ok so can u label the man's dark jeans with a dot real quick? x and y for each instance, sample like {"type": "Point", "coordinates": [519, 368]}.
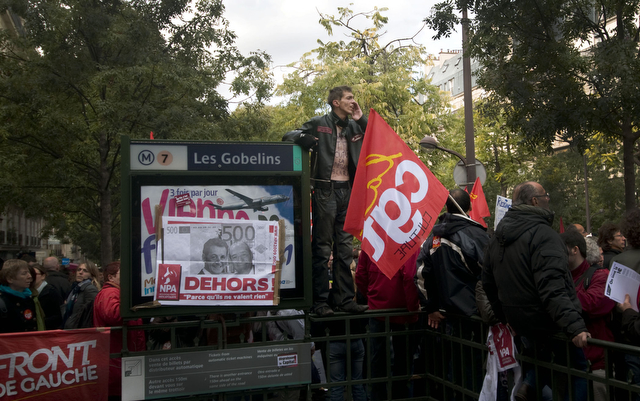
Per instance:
{"type": "Point", "coordinates": [555, 350]}
{"type": "Point", "coordinates": [401, 349]}
{"type": "Point", "coordinates": [329, 213]}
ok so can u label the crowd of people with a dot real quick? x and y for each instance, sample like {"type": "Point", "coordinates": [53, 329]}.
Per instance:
{"type": "Point", "coordinates": [534, 281]}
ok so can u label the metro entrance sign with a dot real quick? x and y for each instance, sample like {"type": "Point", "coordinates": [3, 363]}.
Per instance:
{"type": "Point", "coordinates": [212, 181]}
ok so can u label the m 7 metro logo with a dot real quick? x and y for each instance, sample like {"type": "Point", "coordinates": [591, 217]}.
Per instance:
{"type": "Point", "coordinates": [146, 157]}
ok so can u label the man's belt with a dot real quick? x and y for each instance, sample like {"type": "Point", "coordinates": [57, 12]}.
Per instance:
{"type": "Point", "coordinates": [331, 184]}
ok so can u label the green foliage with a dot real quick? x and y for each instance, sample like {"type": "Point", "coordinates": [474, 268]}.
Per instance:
{"type": "Point", "coordinates": [442, 19]}
{"type": "Point", "coordinates": [563, 69]}
{"type": "Point", "coordinates": [566, 69]}
{"type": "Point", "coordinates": [83, 73]}
{"type": "Point", "coordinates": [383, 77]}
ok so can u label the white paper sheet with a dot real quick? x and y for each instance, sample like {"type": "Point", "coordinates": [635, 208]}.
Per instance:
{"type": "Point", "coordinates": [621, 281]}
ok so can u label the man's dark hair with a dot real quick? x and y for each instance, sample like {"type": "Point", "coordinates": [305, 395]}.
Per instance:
{"type": "Point", "coordinates": [523, 193]}
{"type": "Point", "coordinates": [607, 232]}
{"type": "Point", "coordinates": [337, 93]}
{"type": "Point", "coordinates": [462, 198]}
{"type": "Point", "coordinates": [630, 227]}
{"type": "Point", "coordinates": [573, 238]}
{"type": "Point", "coordinates": [217, 242]}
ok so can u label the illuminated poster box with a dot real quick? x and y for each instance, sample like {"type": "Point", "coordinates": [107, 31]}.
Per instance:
{"type": "Point", "coordinates": [226, 181]}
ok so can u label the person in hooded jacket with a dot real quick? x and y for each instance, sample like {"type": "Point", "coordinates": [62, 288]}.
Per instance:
{"type": "Point", "coordinates": [527, 282]}
{"type": "Point", "coordinates": [450, 261]}
{"type": "Point", "coordinates": [449, 267]}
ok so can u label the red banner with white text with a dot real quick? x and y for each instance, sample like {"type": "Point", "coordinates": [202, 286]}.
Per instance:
{"type": "Point", "coordinates": [60, 364]}
{"type": "Point", "coordinates": [395, 199]}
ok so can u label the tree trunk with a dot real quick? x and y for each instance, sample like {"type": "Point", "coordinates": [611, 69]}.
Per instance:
{"type": "Point", "coordinates": [106, 245]}
{"type": "Point", "coordinates": [628, 140]}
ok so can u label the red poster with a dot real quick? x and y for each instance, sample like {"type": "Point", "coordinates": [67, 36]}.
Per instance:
{"type": "Point", "coordinates": [60, 364]}
{"type": "Point", "coordinates": [169, 276]}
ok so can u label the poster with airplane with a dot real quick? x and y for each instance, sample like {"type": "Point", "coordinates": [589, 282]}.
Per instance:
{"type": "Point", "coordinates": [230, 202]}
{"type": "Point", "coordinates": [260, 203]}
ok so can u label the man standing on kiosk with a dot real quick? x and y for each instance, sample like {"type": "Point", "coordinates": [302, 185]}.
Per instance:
{"type": "Point", "coordinates": [335, 141]}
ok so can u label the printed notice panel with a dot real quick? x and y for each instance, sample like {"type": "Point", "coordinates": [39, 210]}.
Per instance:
{"type": "Point", "coordinates": [217, 262]}
{"type": "Point", "coordinates": [232, 203]}
{"type": "Point", "coordinates": [202, 372]}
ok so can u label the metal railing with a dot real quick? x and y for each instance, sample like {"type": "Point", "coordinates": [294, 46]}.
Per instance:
{"type": "Point", "coordinates": [445, 364]}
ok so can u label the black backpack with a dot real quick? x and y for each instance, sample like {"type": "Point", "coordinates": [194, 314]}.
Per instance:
{"type": "Point", "coordinates": [585, 279]}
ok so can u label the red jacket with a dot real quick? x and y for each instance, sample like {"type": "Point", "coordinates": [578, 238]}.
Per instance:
{"type": "Point", "coordinates": [106, 312]}
{"type": "Point", "coordinates": [597, 309]}
{"type": "Point", "coordinates": [385, 293]}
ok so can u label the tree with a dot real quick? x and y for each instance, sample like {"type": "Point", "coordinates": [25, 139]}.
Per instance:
{"type": "Point", "coordinates": [384, 76]}
{"type": "Point", "coordinates": [563, 69]}
{"type": "Point", "coordinates": [84, 72]}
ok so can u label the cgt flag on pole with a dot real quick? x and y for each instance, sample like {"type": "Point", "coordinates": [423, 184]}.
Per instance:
{"type": "Point", "coordinates": [479, 207]}
{"type": "Point", "coordinates": [395, 199]}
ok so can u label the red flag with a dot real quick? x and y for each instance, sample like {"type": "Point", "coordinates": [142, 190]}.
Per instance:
{"type": "Point", "coordinates": [395, 199]}
{"type": "Point", "coordinates": [561, 225]}
{"type": "Point", "coordinates": [479, 207]}
{"type": "Point", "coordinates": [151, 135]}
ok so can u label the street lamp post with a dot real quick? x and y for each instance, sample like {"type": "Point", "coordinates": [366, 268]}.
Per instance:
{"type": "Point", "coordinates": [430, 143]}
{"type": "Point", "coordinates": [468, 103]}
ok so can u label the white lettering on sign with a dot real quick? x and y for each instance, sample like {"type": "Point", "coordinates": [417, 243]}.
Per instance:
{"type": "Point", "coordinates": [392, 226]}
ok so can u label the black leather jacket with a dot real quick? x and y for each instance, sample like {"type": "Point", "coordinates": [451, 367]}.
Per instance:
{"type": "Point", "coordinates": [322, 154]}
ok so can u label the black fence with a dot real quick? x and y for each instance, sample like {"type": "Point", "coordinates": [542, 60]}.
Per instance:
{"type": "Point", "coordinates": [413, 362]}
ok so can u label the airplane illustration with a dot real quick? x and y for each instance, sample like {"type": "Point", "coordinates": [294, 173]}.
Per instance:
{"type": "Point", "coordinates": [252, 203]}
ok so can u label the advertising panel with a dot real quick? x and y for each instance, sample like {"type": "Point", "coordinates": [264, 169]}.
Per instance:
{"type": "Point", "coordinates": [217, 262]}
{"type": "Point", "coordinates": [235, 204]}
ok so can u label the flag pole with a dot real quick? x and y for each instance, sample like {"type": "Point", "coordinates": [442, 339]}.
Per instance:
{"type": "Point", "coordinates": [458, 206]}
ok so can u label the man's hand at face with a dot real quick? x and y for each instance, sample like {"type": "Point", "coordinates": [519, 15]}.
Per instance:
{"type": "Point", "coordinates": [356, 114]}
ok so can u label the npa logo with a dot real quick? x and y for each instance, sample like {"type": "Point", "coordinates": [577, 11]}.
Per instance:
{"type": "Point", "coordinates": [168, 285]}
{"type": "Point", "coordinates": [146, 157]}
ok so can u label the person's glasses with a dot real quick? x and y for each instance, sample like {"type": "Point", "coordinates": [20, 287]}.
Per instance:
{"type": "Point", "coordinates": [542, 196]}
{"type": "Point", "coordinates": [619, 236]}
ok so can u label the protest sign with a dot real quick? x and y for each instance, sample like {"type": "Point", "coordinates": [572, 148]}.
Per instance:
{"type": "Point", "coordinates": [502, 205]}
{"type": "Point", "coordinates": [228, 202]}
{"type": "Point", "coordinates": [621, 281]}
{"type": "Point", "coordinates": [64, 365]}
{"type": "Point", "coordinates": [218, 262]}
